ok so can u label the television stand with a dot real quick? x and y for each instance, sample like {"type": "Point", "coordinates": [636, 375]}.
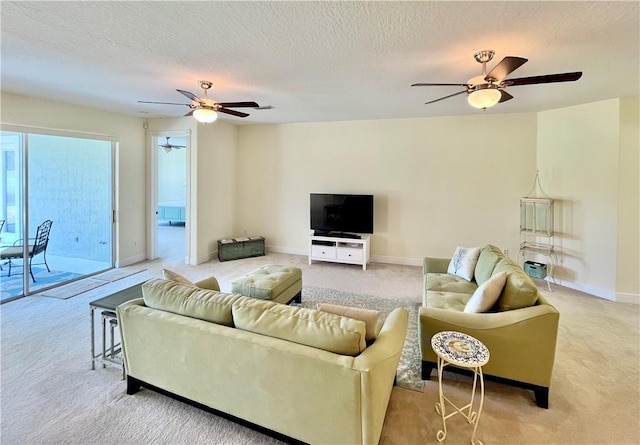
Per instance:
{"type": "Point", "coordinates": [340, 249]}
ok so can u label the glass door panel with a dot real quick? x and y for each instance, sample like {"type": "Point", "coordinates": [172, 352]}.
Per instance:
{"type": "Point", "coordinates": [69, 182]}
{"type": "Point", "coordinates": [11, 205]}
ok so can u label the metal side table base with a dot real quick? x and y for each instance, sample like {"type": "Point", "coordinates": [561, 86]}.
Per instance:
{"type": "Point", "coordinates": [111, 353]}
{"type": "Point", "coordinates": [462, 350]}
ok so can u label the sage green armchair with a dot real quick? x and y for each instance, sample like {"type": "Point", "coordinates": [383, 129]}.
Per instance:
{"type": "Point", "coordinates": [522, 342]}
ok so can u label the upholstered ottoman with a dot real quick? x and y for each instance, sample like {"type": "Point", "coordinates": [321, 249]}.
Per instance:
{"type": "Point", "coordinates": [282, 284]}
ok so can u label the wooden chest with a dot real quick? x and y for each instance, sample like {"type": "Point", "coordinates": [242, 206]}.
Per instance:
{"type": "Point", "coordinates": [236, 248]}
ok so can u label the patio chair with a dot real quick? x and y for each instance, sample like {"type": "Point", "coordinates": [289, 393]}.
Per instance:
{"type": "Point", "coordinates": [38, 247]}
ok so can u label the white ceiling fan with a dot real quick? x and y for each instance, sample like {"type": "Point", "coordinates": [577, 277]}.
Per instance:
{"type": "Point", "coordinates": [168, 147]}
{"type": "Point", "coordinates": [206, 110]}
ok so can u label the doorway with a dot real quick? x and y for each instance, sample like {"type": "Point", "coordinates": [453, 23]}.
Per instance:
{"type": "Point", "coordinates": [170, 191]}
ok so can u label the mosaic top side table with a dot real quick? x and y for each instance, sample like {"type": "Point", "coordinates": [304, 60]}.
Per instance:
{"type": "Point", "coordinates": [465, 351]}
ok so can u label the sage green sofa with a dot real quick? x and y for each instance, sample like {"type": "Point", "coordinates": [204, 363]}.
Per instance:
{"type": "Point", "coordinates": [520, 330]}
{"type": "Point", "coordinates": [303, 374]}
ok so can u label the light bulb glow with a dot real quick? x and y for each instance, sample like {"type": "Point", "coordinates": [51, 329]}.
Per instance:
{"type": "Point", "coordinates": [484, 97]}
{"type": "Point", "coordinates": [205, 115]}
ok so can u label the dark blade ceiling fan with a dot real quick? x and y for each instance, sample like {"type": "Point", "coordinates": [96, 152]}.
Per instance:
{"type": "Point", "coordinates": [168, 147]}
{"type": "Point", "coordinates": [206, 110]}
{"type": "Point", "coordinates": [488, 90]}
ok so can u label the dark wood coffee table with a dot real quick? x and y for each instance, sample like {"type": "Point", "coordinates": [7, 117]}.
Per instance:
{"type": "Point", "coordinates": [108, 306]}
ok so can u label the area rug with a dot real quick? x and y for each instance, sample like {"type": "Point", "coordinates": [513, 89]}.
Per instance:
{"type": "Point", "coordinates": [12, 286]}
{"type": "Point", "coordinates": [116, 274]}
{"type": "Point", "coordinates": [409, 368]}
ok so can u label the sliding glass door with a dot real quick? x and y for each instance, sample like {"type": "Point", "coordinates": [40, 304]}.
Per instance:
{"type": "Point", "coordinates": [57, 204]}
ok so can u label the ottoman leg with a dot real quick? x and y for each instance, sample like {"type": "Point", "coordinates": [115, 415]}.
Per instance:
{"type": "Point", "coordinates": [296, 299]}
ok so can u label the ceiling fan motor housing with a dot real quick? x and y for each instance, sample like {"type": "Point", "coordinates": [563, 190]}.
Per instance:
{"type": "Point", "coordinates": [484, 56]}
{"type": "Point", "coordinates": [205, 84]}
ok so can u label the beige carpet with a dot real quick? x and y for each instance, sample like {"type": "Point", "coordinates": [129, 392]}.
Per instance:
{"type": "Point", "coordinates": [49, 395]}
{"type": "Point", "coordinates": [73, 289]}
{"type": "Point", "coordinates": [87, 284]}
{"type": "Point", "coordinates": [117, 274]}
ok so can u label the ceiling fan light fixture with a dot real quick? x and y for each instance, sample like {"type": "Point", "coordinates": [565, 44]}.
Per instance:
{"type": "Point", "coordinates": [484, 97]}
{"type": "Point", "coordinates": [167, 148]}
{"type": "Point", "coordinates": [205, 115]}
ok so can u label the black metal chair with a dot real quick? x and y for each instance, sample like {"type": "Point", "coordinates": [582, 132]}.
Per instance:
{"type": "Point", "coordinates": [38, 247]}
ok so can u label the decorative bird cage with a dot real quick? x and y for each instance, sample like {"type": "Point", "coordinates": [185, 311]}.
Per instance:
{"type": "Point", "coordinates": [536, 212]}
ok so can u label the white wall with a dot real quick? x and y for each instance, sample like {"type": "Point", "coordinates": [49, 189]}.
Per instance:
{"type": "Point", "coordinates": [438, 182]}
{"type": "Point", "coordinates": [628, 260]}
{"type": "Point", "coordinates": [580, 165]}
{"type": "Point", "coordinates": [216, 179]}
{"type": "Point", "coordinates": [130, 195]}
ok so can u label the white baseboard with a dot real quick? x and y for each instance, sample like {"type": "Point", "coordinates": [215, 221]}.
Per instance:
{"type": "Point", "coordinates": [289, 250]}
{"type": "Point", "coordinates": [618, 297]}
{"type": "Point", "coordinates": [397, 260]}
{"type": "Point", "coordinates": [623, 297]}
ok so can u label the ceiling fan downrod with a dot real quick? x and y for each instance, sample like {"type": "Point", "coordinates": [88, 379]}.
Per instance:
{"type": "Point", "coordinates": [483, 57]}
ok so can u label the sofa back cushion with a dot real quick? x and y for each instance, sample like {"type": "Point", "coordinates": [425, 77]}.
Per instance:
{"type": "Point", "coordinates": [190, 301]}
{"type": "Point", "coordinates": [489, 257]}
{"type": "Point", "coordinates": [309, 327]}
{"type": "Point", "coordinates": [519, 290]}
{"type": "Point", "coordinates": [464, 261]}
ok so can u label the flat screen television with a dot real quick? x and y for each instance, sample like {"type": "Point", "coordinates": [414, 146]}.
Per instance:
{"type": "Point", "coordinates": [340, 214]}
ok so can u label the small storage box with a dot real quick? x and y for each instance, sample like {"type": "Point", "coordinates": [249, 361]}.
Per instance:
{"type": "Point", "coordinates": [236, 248]}
{"type": "Point", "coordinates": [535, 270]}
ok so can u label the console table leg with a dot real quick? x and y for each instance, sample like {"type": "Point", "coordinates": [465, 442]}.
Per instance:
{"type": "Point", "coordinates": [93, 345]}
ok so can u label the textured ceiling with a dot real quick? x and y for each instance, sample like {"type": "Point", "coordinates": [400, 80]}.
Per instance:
{"type": "Point", "coordinates": [314, 61]}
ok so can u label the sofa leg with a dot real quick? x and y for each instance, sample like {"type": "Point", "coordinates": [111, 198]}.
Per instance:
{"type": "Point", "coordinates": [542, 396]}
{"type": "Point", "coordinates": [133, 385]}
{"type": "Point", "coordinates": [427, 367]}
{"type": "Point", "coordinates": [298, 298]}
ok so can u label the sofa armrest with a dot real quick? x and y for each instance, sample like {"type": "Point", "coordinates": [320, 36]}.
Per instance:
{"type": "Point", "coordinates": [522, 342]}
{"type": "Point", "coordinates": [388, 344]}
{"type": "Point", "coordinates": [435, 265]}
{"type": "Point", "coordinates": [378, 365]}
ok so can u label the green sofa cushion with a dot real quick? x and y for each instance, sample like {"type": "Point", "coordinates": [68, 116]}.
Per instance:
{"type": "Point", "coordinates": [519, 290]}
{"type": "Point", "coordinates": [190, 301]}
{"type": "Point", "coordinates": [309, 327]}
{"type": "Point", "coordinates": [489, 257]}
{"type": "Point", "coordinates": [444, 282]}
{"type": "Point", "coordinates": [447, 300]}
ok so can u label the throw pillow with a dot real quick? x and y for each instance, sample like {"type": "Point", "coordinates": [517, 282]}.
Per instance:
{"type": "Point", "coordinates": [173, 276]}
{"type": "Point", "coordinates": [486, 294]}
{"type": "Point", "coordinates": [464, 262]}
{"type": "Point", "coordinates": [369, 316]}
